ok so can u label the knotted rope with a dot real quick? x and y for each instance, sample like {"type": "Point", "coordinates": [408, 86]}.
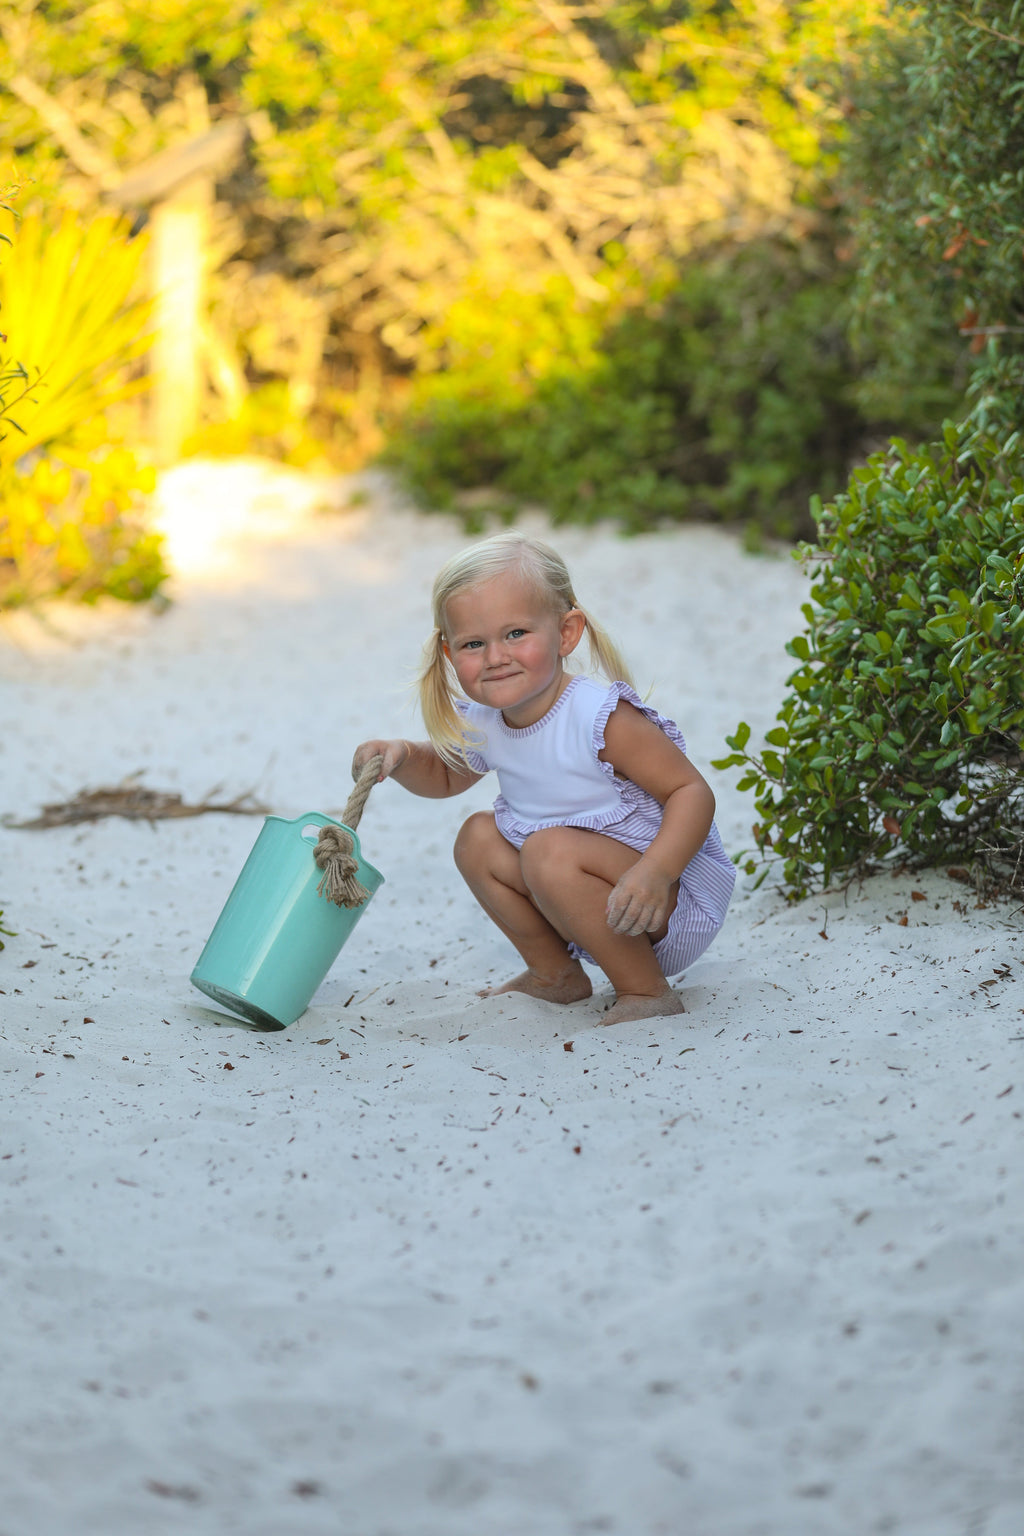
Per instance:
{"type": "Point", "coordinates": [334, 850]}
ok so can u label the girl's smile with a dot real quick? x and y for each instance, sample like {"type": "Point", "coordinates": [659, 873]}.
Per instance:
{"type": "Point", "coordinates": [507, 646]}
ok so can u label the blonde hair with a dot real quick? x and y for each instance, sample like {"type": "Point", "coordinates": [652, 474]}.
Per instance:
{"type": "Point", "coordinates": [545, 569]}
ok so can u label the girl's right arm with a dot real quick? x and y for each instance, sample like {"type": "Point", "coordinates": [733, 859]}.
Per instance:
{"type": "Point", "coordinates": [415, 765]}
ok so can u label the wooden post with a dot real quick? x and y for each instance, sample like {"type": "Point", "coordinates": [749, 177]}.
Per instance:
{"type": "Point", "coordinates": [179, 227]}
{"type": "Point", "coordinates": [177, 186]}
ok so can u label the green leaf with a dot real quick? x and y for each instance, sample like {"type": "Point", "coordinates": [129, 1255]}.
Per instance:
{"type": "Point", "coordinates": [987, 615]}
{"type": "Point", "coordinates": [739, 740]}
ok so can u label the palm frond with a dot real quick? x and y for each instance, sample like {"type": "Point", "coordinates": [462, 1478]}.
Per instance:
{"type": "Point", "coordinates": [74, 321]}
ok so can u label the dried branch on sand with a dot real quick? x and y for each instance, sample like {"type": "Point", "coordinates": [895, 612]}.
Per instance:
{"type": "Point", "coordinates": [135, 803]}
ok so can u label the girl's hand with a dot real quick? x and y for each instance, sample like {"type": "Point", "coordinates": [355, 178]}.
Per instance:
{"type": "Point", "coordinates": [394, 753]}
{"type": "Point", "coordinates": [416, 765]}
{"type": "Point", "coordinates": [640, 902]}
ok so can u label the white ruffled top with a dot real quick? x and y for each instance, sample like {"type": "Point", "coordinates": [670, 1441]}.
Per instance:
{"type": "Point", "coordinates": [549, 773]}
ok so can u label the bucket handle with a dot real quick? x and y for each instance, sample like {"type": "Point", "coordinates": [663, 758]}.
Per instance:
{"type": "Point", "coordinates": [356, 802]}
{"type": "Point", "coordinates": [335, 849]}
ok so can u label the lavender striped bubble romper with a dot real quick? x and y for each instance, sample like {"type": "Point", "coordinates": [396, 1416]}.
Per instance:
{"type": "Point", "coordinates": [550, 775]}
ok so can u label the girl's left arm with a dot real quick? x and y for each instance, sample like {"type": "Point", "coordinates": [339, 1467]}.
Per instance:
{"type": "Point", "coordinates": [637, 749]}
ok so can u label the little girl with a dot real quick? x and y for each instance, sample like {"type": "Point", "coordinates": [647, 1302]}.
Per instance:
{"type": "Point", "coordinates": [601, 845]}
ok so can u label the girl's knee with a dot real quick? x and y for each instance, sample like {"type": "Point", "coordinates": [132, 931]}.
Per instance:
{"type": "Point", "coordinates": [475, 837]}
{"type": "Point", "coordinates": [547, 855]}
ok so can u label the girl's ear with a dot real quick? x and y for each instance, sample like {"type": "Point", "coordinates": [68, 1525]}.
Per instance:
{"type": "Point", "coordinates": [573, 626]}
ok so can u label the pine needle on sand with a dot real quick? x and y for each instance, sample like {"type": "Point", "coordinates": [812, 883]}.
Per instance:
{"type": "Point", "coordinates": [136, 803]}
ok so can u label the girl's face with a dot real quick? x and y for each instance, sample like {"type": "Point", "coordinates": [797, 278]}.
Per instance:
{"type": "Point", "coordinates": [507, 644]}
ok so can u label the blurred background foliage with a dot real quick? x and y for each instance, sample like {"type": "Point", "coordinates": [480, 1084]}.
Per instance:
{"type": "Point", "coordinates": [631, 258]}
{"type": "Point", "coordinates": [934, 181]}
{"type": "Point", "coordinates": [72, 513]}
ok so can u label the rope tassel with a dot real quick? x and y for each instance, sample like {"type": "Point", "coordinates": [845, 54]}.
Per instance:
{"type": "Point", "coordinates": [334, 852]}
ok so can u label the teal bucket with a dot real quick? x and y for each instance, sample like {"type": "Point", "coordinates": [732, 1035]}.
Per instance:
{"type": "Point", "coordinates": [277, 938]}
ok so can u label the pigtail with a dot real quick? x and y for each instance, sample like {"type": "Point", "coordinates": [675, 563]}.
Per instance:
{"type": "Point", "coordinates": [605, 655]}
{"type": "Point", "coordinates": [446, 727]}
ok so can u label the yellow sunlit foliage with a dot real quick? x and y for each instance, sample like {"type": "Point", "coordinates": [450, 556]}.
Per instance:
{"type": "Point", "coordinates": [538, 163]}
{"type": "Point", "coordinates": [70, 502]}
{"type": "Point", "coordinates": [67, 293]}
{"type": "Point", "coordinates": [771, 67]}
{"type": "Point", "coordinates": [78, 528]}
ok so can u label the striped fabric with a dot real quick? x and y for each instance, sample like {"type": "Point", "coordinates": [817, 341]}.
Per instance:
{"type": "Point", "coordinates": [554, 765]}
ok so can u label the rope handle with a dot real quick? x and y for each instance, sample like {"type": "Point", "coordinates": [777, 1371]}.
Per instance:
{"type": "Point", "coordinates": [356, 802]}
{"type": "Point", "coordinates": [335, 851]}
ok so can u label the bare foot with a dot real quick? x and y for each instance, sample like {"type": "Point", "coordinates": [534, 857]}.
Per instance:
{"type": "Point", "coordinates": [570, 986]}
{"type": "Point", "coordinates": [634, 1005]}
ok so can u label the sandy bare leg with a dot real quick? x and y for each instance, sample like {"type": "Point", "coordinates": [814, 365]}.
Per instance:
{"type": "Point", "coordinates": [491, 868]}
{"type": "Point", "coordinates": [553, 890]}
{"type": "Point", "coordinates": [569, 874]}
{"type": "Point", "coordinates": [570, 986]}
{"type": "Point", "coordinates": [632, 1005]}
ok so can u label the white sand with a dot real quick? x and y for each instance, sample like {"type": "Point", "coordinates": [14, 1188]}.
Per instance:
{"type": "Point", "coordinates": [403, 1270]}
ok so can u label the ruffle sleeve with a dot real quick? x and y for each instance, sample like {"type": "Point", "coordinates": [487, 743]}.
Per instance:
{"type": "Point", "coordinates": [619, 693]}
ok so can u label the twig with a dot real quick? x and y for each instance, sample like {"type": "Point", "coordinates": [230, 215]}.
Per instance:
{"type": "Point", "coordinates": [134, 803]}
{"type": "Point", "coordinates": [84, 155]}
{"type": "Point", "coordinates": [983, 26]}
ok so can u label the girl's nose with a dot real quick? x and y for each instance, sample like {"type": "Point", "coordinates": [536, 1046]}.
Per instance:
{"type": "Point", "coordinates": [494, 652]}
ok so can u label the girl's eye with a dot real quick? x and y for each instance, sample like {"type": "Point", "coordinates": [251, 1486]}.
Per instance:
{"type": "Point", "coordinates": [514, 634]}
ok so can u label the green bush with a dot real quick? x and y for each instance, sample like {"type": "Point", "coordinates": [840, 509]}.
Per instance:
{"type": "Point", "coordinates": [933, 174]}
{"type": "Point", "coordinates": [74, 524]}
{"type": "Point", "coordinates": [901, 733]}
{"type": "Point", "coordinates": [729, 398]}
